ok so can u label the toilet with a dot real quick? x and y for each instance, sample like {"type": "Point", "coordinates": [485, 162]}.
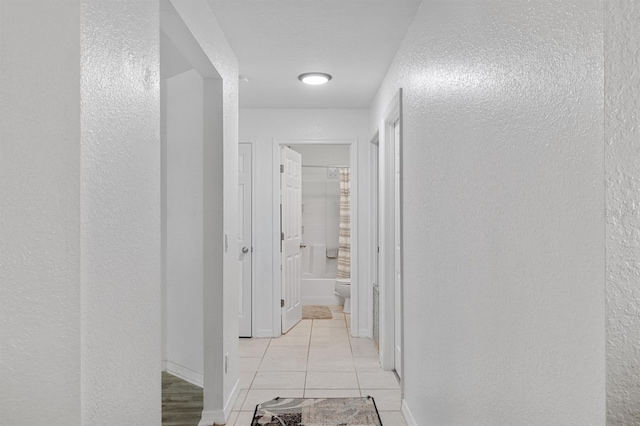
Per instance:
{"type": "Point", "coordinates": [343, 289]}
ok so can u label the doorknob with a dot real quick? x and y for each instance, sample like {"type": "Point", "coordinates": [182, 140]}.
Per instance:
{"type": "Point", "coordinates": [302, 245]}
{"type": "Point", "coordinates": [245, 250]}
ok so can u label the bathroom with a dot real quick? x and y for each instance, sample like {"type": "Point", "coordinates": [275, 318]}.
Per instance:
{"type": "Point", "coordinates": [325, 225]}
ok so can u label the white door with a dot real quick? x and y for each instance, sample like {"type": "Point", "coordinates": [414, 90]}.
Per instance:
{"type": "Point", "coordinates": [244, 238]}
{"type": "Point", "coordinates": [291, 237]}
{"type": "Point", "coordinates": [397, 258]}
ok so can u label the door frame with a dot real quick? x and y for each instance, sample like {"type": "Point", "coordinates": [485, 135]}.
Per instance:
{"type": "Point", "coordinates": [374, 239]}
{"type": "Point", "coordinates": [386, 233]}
{"type": "Point", "coordinates": [252, 142]}
{"type": "Point", "coordinates": [353, 164]}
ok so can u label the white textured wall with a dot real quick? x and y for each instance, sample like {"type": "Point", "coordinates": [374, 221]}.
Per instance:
{"type": "Point", "coordinates": [264, 125]}
{"type": "Point", "coordinates": [39, 212]}
{"type": "Point", "coordinates": [503, 212]}
{"type": "Point", "coordinates": [184, 197]}
{"type": "Point", "coordinates": [622, 166]}
{"type": "Point", "coordinates": [323, 155]}
{"type": "Point", "coordinates": [221, 320]}
{"type": "Point", "coordinates": [120, 212]}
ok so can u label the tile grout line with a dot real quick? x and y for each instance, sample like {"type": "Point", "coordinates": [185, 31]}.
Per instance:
{"type": "Point", "coordinates": [306, 366]}
{"type": "Point", "coordinates": [355, 370]}
{"type": "Point", "coordinates": [261, 359]}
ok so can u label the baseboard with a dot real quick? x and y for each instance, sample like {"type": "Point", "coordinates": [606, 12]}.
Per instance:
{"type": "Point", "coordinates": [164, 365]}
{"type": "Point", "coordinates": [263, 332]}
{"type": "Point", "coordinates": [185, 373]}
{"type": "Point", "coordinates": [220, 417]}
{"type": "Point", "coordinates": [365, 332]}
{"type": "Point", "coordinates": [215, 417]}
{"type": "Point", "coordinates": [228, 407]}
{"type": "Point", "coordinates": [411, 421]}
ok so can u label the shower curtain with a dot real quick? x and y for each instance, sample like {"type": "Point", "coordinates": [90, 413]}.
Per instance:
{"type": "Point", "coordinates": [344, 239]}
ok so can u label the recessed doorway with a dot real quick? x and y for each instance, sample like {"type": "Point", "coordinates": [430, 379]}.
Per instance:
{"type": "Point", "coordinates": [311, 250]}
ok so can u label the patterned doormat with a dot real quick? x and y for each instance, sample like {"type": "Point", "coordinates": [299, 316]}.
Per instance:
{"type": "Point", "coordinates": [317, 412]}
{"type": "Point", "coordinates": [316, 312]}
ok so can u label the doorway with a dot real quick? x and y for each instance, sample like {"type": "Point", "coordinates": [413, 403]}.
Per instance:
{"type": "Point", "coordinates": [191, 117]}
{"type": "Point", "coordinates": [193, 188]}
{"type": "Point", "coordinates": [389, 213]}
{"type": "Point", "coordinates": [283, 236]}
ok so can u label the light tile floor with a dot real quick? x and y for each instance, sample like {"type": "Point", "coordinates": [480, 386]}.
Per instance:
{"type": "Point", "coordinates": [316, 359]}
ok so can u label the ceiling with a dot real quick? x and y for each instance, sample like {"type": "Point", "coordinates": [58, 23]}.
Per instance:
{"type": "Point", "coordinates": [276, 40]}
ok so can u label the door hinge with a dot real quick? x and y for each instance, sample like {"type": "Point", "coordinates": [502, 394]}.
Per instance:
{"type": "Point", "coordinates": [282, 303]}
{"type": "Point", "coordinates": [282, 236]}
{"type": "Point", "coordinates": [281, 168]}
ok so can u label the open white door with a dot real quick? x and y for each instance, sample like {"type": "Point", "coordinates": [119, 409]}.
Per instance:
{"type": "Point", "coordinates": [244, 238]}
{"type": "Point", "coordinates": [291, 237]}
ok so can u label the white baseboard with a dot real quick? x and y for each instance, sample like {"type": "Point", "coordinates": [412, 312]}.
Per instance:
{"type": "Point", "coordinates": [209, 418]}
{"type": "Point", "coordinates": [365, 332]}
{"type": "Point", "coordinates": [411, 421]}
{"type": "Point", "coordinates": [220, 417]}
{"type": "Point", "coordinates": [164, 365]}
{"type": "Point", "coordinates": [228, 407]}
{"type": "Point", "coordinates": [185, 373]}
{"type": "Point", "coordinates": [263, 332]}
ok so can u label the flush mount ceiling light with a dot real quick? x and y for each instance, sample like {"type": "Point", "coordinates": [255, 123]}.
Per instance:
{"type": "Point", "coordinates": [314, 78]}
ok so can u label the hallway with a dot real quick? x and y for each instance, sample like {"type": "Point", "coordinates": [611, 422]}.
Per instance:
{"type": "Point", "coordinates": [317, 358]}
{"type": "Point", "coordinates": [519, 205]}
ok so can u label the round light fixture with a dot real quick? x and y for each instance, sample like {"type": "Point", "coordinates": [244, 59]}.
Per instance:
{"type": "Point", "coordinates": [314, 78]}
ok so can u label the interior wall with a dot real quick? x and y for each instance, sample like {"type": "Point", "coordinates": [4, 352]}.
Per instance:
{"type": "Point", "coordinates": [622, 168]}
{"type": "Point", "coordinates": [40, 212]}
{"type": "Point", "coordinates": [81, 167]}
{"type": "Point", "coordinates": [120, 213]}
{"type": "Point", "coordinates": [503, 184]}
{"type": "Point", "coordinates": [184, 98]}
{"type": "Point", "coordinates": [263, 126]}
{"type": "Point", "coordinates": [323, 155]}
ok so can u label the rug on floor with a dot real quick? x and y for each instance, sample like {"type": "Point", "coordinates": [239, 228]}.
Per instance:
{"type": "Point", "coordinates": [316, 312]}
{"type": "Point", "coordinates": [317, 412]}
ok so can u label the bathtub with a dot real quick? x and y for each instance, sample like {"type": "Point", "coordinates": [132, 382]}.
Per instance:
{"type": "Point", "coordinates": [318, 285]}
{"type": "Point", "coordinates": [319, 291]}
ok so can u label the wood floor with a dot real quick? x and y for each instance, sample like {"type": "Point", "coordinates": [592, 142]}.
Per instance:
{"type": "Point", "coordinates": [181, 402]}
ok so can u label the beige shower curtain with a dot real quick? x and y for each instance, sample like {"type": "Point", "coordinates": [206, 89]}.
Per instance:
{"type": "Point", "coordinates": [344, 239]}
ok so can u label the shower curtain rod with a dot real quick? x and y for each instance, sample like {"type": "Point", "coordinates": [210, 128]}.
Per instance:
{"type": "Point", "coordinates": [328, 167]}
